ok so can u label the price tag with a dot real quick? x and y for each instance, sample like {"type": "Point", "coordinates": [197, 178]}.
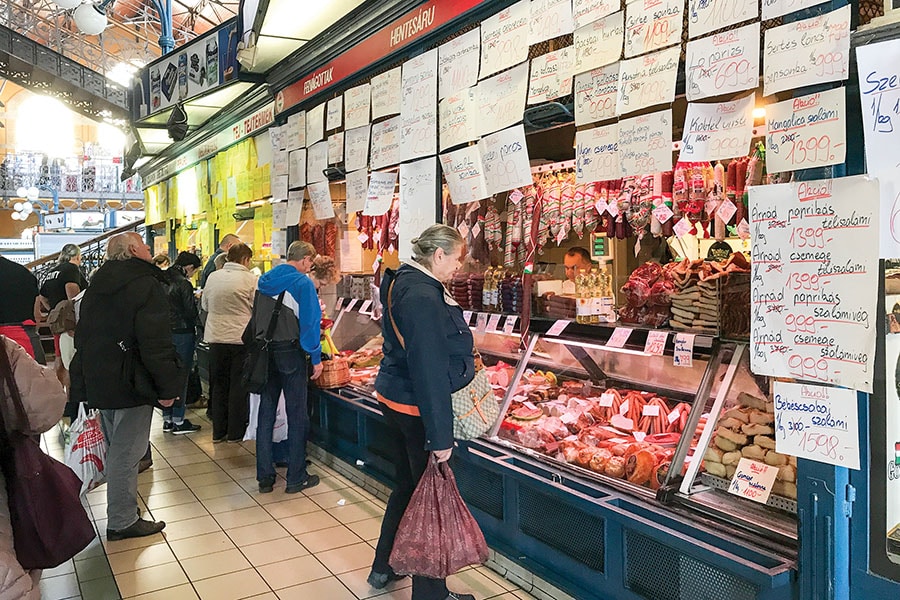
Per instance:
{"type": "Point", "coordinates": [481, 322]}
{"type": "Point", "coordinates": [467, 316]}
{"type": "Point", "coordinates": [493, 321]}
{"type": "Point", "coordinates": [338, 305]}
{"type": "Point", "coordinates": [656, 342]}
{"type": "Point", "coordinates": [601, 206]}
{"type": "Point", "coordinates": [710, 206]}
{"type": "Point", "coordinates": [623, 408]}
{"type": "Point", "coordinates": [639, 436]}
{"type": "Point", "coordinates": [619, 337]}
{"type": "Point", "coordinates": [375, 265]}
{"type": "Point", "coordinates": [529, 405]}
{"type": "Point", "coordinates": [743, 229]}
{"type": "Point", "coordinates": [351, 305]}
{"type": "Point", "coordinates": [516, 196]}
{"type": "Point", "coordinates": [674, 416]}
{"type": "Point", "coordinates": [476, 229]}
{"type": "Point", "coordinates": [463, 229]}
{"type": "Point", "coordinates": [684, 350]}
{"type": "Point", "coordinates": [682, 227]}
{"type": "Point", "coordinates": [662, 213]}
{"type": "Point", "coordinates": [363, 238]}
{"type": "Point", "coordinates": [364, 308]}
{"type": "Point", "coordinates": [509, 325]}
{"type": "Point", "coordinates": [726, 210]}
{"type": "Point", "coordinates": [558, 327]}
{"type": "Point", "coordinates": [561, 236]}
{"type": "Point", "coordinates": [650, 410]}
{"type": "Point", "coordinates": [607, 400]}
{"type": "Point", "coordinates": [613, 209]}
{"type": "Point", "coordinates": [618, 440]}
{"type": "Point", "coordinates": [753, 480]}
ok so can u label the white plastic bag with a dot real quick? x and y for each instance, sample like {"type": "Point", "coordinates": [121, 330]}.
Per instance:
{"type": "Point", "coordinates": [86, 449]}
{"type": "Point", "coordinates": [280, 432]}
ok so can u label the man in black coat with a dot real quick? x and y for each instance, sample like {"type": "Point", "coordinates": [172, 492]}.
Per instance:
{"type": "Point", "coordinates": [18, 289]}
{"type": "Point", "coordinates": [125, 362]}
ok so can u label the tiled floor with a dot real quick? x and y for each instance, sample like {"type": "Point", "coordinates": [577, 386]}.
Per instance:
{"type": "Point", "coordinates": [225, 541]}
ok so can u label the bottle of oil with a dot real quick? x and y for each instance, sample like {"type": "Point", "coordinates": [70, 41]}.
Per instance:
{"type": "Point", "coordinates": [607, 300]}
{"type": "Point", "coordinates": [486, 289]}
{"type": "Point", "coordinates": [594, 287]}
{"type": "Point", "coordinates": [583, 301]}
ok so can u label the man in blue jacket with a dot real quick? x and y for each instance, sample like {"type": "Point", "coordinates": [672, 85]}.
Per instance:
{"type": "Point", "coordinates": [297, 334]}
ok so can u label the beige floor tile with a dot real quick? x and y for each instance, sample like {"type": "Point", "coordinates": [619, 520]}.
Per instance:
{"type": "Point", "coordinates": [356, 512]}
{"type": "Point", "coordinates": [369, 529]}
{"type": "Point", "coordinates": [273, 551]}
{"type": "Point", "coordinates": [223, 451]}
{"type": "Point", "coordinates": [266, 596]}
{"type": "Point", "coordinates": [506, 596]}
{"type": "Point", "coordinates": [94, 549]}
{"type": "Point", "coordinates": [472, 581]}
{"type": "Point", "coordinates": [163, 486]}
{"type": "Point", "coordinates": [94, 567]}
{"type": "Point", "coordinates": [342, 497]}
{"type": "Point", "coordinates": [523, 595]}
{"type": "Point", "coordinates": [288, 508]}
{"type": "Point", "coordinates": [249, 484]}
{"type": "Point", "coordinates": [313, 521]}
{"type": "Point", "coordinates": [204, 479]}
{"type": "Point", "coordinates": [60, 587]}
{"type": "Point", "coordinates": [245, 516]}
{"type": "Point", "coordinates": [150, 579]}
{"type": "Point", "coordinates": [156, 474]}
{"type": "Point", "coordinates": [188, 459]}
{"type": "Point", "coordinates": [181, 592]}
{"type": "Point", "coordinates": [185, 529]}
{"type": "Point", "coordinates": [348, 558]}
{"type": "Point", "coordinates": [229, 503]}
{"type": "Point", "coordinates": [215, 564]}
{"type": "Point", "coordinates": [330, 588]}
{"type": "Point", "coordinates": [217, 490]}
{"type": "Point", "coordinates": [244, 460]}
{"type": "Point", "coordinates": [356, 581]}
{"type": "Point", "coordinates": [197, 468]}
{"type": "Point", "coordinates": [180, 512]}
{"type": "Point", "coordinates": [141, 558]}
{"type": "Point", "coordinates": [272, 497]}
{"type": "Point", "coordinates": [238, 473]}
{"type": "Point", "coordinates": [293, 572]}
{"type": "Point", "coordinates": [131, 543]}
{"type": "Point", "coordinates": [496, 578]}
{"type": "Point", "coordinates": [103, 587]}
{"type": "Point", "coordinates": [257, 533]}
{"type": "Point", "coordinates": [216, 541]}
{"type": "Point", "coordinates": [328, 539]}
{"type": "Point", "coordinates": [327, 484]}
{"type": "Point", "coordinates": [233, 586]}
{"type": "Point", "coordinates": [170, 499]}
{"type": "Point", "coordinates": [397, 594]}
{"type": "Point", "coordinates": [63, 569]}
{"type": "Point", "coordinates": [179, 447]}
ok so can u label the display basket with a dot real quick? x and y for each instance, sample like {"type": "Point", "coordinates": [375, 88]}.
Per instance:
{"type": "Point", "coordinates": [335, 373]}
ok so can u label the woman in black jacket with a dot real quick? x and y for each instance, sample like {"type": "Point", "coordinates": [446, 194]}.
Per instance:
{"type": "Point", "coordinates": [431, 358]}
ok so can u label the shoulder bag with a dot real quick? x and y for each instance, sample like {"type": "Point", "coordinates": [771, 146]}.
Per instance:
{"type": "Point", "coordinates": [256, 364]}
{"type": "Point", "coordinates": [475, 409]}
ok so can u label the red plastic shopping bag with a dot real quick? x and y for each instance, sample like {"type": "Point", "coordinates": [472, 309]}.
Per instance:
{"type": "Point", "coordinates": [438, 535]}
{"type": "Point", "coordinates": [85, 452]}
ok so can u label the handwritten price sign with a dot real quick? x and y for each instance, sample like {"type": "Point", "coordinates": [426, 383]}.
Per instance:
{"type": "Point", "coordinates": [458, 63]}
{"type": "Point", "coordinates": [356, 147]}
{"type": "Point", "coordinates": [723, 63]}
{"type": "Point", "coordinates": [588, 11]}
{"type": "Point", "coordinates": [386, 143]}
{"type": "Point", "coordinates": [806, 132]}
{"type": "Point", "coordinates": [501, 99]}
{"type": "Point", "coordinates": [504, 38]}
{"type": "Point", "coordinates": [599, 43]}
{"type": "Point", "coordinates": [879, 91]}
{"type": "Point", "coordinates": [647, 81]}
{"type": "Point", "coordinates": [504, 156]}
{"type": "Point", "coordinates": [717, 131]}
{"type": "Point", "coordinates": [357, 103]}
{"type": "Point", "coordinates": [386, 93]}
{"type": "Point", "coordinates": [652, 25]}
{"type": "Point", "coordinates": [753, 480]}
{"type": "Point", "coordinates": [551, 75]}
{"type": "Point", "coordinates": [595, 94]}
{"type": "Point", "coordinates": [708, 15]}
{"type": "Point", "coordinates": [772, 9]}
{"type": "Point", "coordinates": [315, 124]}
{"type": "Point", "coordinates": [458, 118]}
{"type": "Point", "coordinates": [418, 107]}
{"type": "Point", "coordinates": [550, 19]}
{"type": "Point", "coordinates": [464, 173]}
{"type": "Point", "coordinates": [317, 162]}
{"type": "Point", "coordinates": [417, 201]}
{"type": "Point", "coordinates": [645, 143]}
{"type": "Point", "coordinates": [597, 154]}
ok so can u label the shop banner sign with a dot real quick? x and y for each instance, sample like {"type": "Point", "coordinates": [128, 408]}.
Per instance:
{"type": "Point", "coordinates": [717, 131]}
{"type": "Point", "coordinates": [386, 143]}
{"type": "Point", "coordinates": [356, 148]}
{"type": "Point", "coordinates": [317, 162]}
{"type": "Point", "coordinates": [294, 207]}
{"type": "Point", "coordinates": [588, 11]}
{"type": "Point", "coordinates": [380, 194]}
{"type": "Point", "coordinates": [386, 89]}
{"type": "Point", "coordinates": [504, 38]}
{"type": "Point", "coordinates": [809, 52]}
{"type": "Point", "coordinates": [723, 63]}
{"type": "Point", "coordinates": [334, 113]}
{"type": "Point", "coordinates": [879, 91]}
{"type": "Point", "coordinates": [772, 9]}
{"type": "Point", "coordinates": [357, 103]}
{"type": "Point", "coordinates": [814, 269]}
{"type": "Point", "coordinates": [550, 19]}
{"type": "Point", "coordinates": [647, 81]}
{"type": "Point", "coordinates": [806, 132]}
{"type": "Point", "coordinates": [297, 169]}
{"type": "Point", "coordinates": [504, 156]}
{"type": "Point", "coordinates": [595, 94]}
{"type": "Point", "coordinates": [599, 43]}
{"type": "Point", "coordinates": [296, 131]}
{"type": "Point", "coordinates": [418, 108]}
{"type": "Point", "coordinates": [464, 173]}
{"type": "Point", "coordinates": [501, 99]}
{"type": "Point", "coordinates": [653, 25]}
{"type": "Point", "coordinates": [817, 423]}
{"type": "Point", "coordinates": [597, 154]}
{"type": "Point", "coordinates": [315, 124]}
{"type": "Point", "coordinates": [551, 76]}
{"type": "Point", "coordinates": [705, 16]}
{"type": "Point", "coordinates": [357, 189]}
{"type": "Point", "coordinates": [458, 63]}
{"type": "Point", "coordinates": [418, 199]}
{"type": "Point", "coordinates": [458, 118]}
{"type": "Point", "coordinates": [320, 198]}
{"type": "Point", "coordinates": [645, 143]}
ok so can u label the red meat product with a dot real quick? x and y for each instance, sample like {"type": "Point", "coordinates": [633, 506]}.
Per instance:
{"type": "Point", "coordinates": [330, 238]}
{"type": "Point", "coordinates": [648, 272]}
{"type": "Point", "coordinates": [636, 291]}
{"type": "Point", "coordinates": [306, 232]}
{"type": "Point", "coordinates": [661, 293]}
{"type": "Point", "coordinates": [534, 437]}
{"type": "Point", "coordinates": [318, 238]}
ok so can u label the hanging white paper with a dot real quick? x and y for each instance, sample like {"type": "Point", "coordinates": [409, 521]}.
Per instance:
{"type": "Point", "coordinates": [723, 63]}
{"type": "Point", "coordinates": [504, 38]}
{"type": "Point", "coordinates": [279, 215]}
{"type": "Point", "coordinates": [550, 19]}
{"type": "Point", "coordinates": [599, 43]}
{"type": "Point", "coordinates": [651, 26]}
{"type": "Point", "coordinates": [464, 173]}
{"type": "Point", "coordinates": [356, 148]}
{"type": "Point", "coordinates": [279, 187]}
{"type": "Point", "coordinates": [296, 131]}
{"type": "Point", "coordinates": [320, 198]}
{"type": "Point", "coordinates": [336, 148]}
{"type": "Point", "coordinates": [418, 109]}
{"type": "Point", "coordinates": [418, 201]}
{"type": "Point", "coordinates": [458, 118]}
{"type": "Point", "coordinates": [588, 11]}
{"type": "Point", "coordinates": [357, 103]}
{"type": "Point", "coordinates": [806, 132]}
{"type": "Point", "coordinates": [335, 111]}
{"type": "Point", "coordinates": [501, 99]}
{"type": "Point", "coordinates": [705, 16]}
{"type": "Point", "coordinates": [280, 163]}
{"type": "Point", "coordinates": [278, 137]}
{"type": "Point", "coordinates": [889, 185]}
{"type": "Point", "coordinates": [595, 94]}
{"type": "Point", "coordinates": [597, 154]}
{"type": "Point", "coordinates": [808, 52]}
{"type": "Point", "coordinates": [279, 242]}
{"type": "Point", "coordinates": [772, 9]}
{"type": "Point", "coordinates": [645, 143]}
{"type": "Point", "coordinates": [316, 162]}
{"type": "Point", "coordinates": [879, 91]}
{"type": "Point", "coordinates": [386, 90]}
{"type": "Point", "coordinates": [551, 75]}
{"type": "Point", "coordinates": [458, 63]}
{"type": "Point", "coordinates": [315, 124]}
{"type": "Point", "coordinates": [386, 143]}
{"type": "Point", "coordinates": [717, 131]}
{"type": "Point", "coordinates": [357, 190]}
{"type": "Point", "coordinates": [504, 156]}
{"type": "Point", "coordinates": [294, 207]}
{"type": "Point", "coordinates": [647, 80]}
{"type": "Point", "coordinates": [380, 193]}
{"type": "Point", "coordinates": [297, 165]}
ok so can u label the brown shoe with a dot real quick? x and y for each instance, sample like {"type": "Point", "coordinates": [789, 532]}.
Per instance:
{"type": "Point", "coordinates": [139, 528]}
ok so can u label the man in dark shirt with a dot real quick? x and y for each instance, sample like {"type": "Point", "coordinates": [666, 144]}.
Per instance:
{"type": "Point", "coordinates": [227, 242]}
{"type": "Point", "coordinates": [18, 289]}
{"type": "Point", "coordinates": [66, 280]}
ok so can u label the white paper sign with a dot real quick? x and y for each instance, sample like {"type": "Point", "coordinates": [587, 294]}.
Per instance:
{"type": "Point", "coordinates": [294, 207]}
{"type": "Point", "coordinates": [717, 131]}
{"type": "Point", "coordinates": [889, 184]}
{"type": "Point", "coordinates": [814, 269]}
{"type": "Point", "coordinates": [597, 154]}
{"type": "Point", "coordinates": [279, 215]}
{"type": "Point", "coordinates": [279, 187]}
{"type": "Point", "coordinates": [808, 52]}
{"type": "Point", "coordinates": [806, 132]}
{"type": "Point", "coordinates": [280, 164]}
{"type": "Point", "coordinates": [418, 107]}
{"type": "Point", "coordinates": [879, 91]}
{"type": "Point", "coordinates": [316, 162]}
{"type": "Point", "coordinates": [684, 350]}
{"type": "Point", "coordinates": [588, 11]}
{"type": "Point", "coordinates": [467, 316]}
{"type": "Point", "coordinates": [509, 325]}
{"type": "Point", "coordinates": [557, 328]}
{"type": "Point", "coordinates": [501, 99]}
{"type": "Point", "coordinates": [297, 169]}
{"type": "Point", "coordinates": [380, 193]}
{"type": "Point", "coordinates": [504, 156]}
{"type": "Point", "coordinates": [296, 131]}
{"type": "Point", "coordinates": [753, 480]}
{"type": "Point", "coordinates": [458, 118]}
{"type": "Point", "coordinates": [357, 190]}
{"type": "Point", "coordinates": [320, 198]}
{"type": "Point", "coordinates": [647, 80]}
{"type": "Point", "coordinates": [550, 19]}
{"type": "Point", "coordinates": [356, 148]}
{"type": "Point", "coordinates": [458, 63]}
{"type": "Point", "coordinates": [493, 322]}
{"type": "Point", "coordinates": [418, 189]}
{"type": "Point", "coordinates": [315, 124]}
{"type": "Point", "coordinates": [619, 337]}
{"type": "Point", "coordinates": [705, 16]}
{"type": "Point", "coordinates": [504, 38]}
{"type": "Point", "coordinates": [357, 102]}
{"type": "Point", "coordinates": [386, 93]}
{"type": "Point", "coordinates": [817, 423]}
{"type": "Point", "coordinates": [481, 320]}
{"type": "Point", "coordinates": [723, 63]}
{"type": "Point", "coordinates": [279, 242]}
{"type": "Point", "coordinates": [595, 94]}
{"type": "Point", "coordinates": [599, 43]}
{"type": "Point", "coordinates": [645, 143]}
{"type": "Point", "coordinates": [772, 9]}
{"type": "Point", "coordinates": [335, 111]}
{"type": "Point", "coordinates": [464, 173]}
{"type": "Point", "coordinates": [336, 148]}
{"type": "Point", "coordinates": [386, 143]}
{"type": "Point", "coordinates": [656, 342]}
{"type": "Point", "coordinates": [551, 76]}
{"type": "Point", "coordinates": [652, 25]}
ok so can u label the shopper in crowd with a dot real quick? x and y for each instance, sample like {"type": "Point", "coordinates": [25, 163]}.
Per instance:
{"type": "Point", "coordinates": [183, 316]}
{"type": "Point", "coordinates": [431, 357]}
{"type": "Point", "coordinates": [296, 336]}
{"type": "Point", "coordinates": [43, 398]}
{"type": "Point", "coordinates": [228, 300]}
{"type": "Point", "coordinates": [125, 363]}
{"type": "Point", "coordinates": [577, 260]}
{"type": "Point", "coordinates": [224, 246]}
{"type": "Point", "coordinates": [162, 261]}
{"type": "Point", "coordinates": [18, 291]}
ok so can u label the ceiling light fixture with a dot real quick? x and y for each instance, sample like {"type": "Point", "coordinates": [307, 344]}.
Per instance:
{"type": "Point", "coordinates": [91, 18]}
{"type": "Point", "coordinates": [67, 4]}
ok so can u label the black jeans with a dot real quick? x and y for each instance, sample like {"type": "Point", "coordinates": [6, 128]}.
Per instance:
{"type": "Point", "coordinates": [412, 458]}
{"type": "Point", "coordinates": [230, 407]}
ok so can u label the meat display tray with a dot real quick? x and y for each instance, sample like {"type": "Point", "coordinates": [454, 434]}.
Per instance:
{"type": "Point", "coordinates": [774, 501]}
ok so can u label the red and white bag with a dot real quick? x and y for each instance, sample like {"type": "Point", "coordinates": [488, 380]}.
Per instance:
{"type": "Point", "coordinates": [86, 449]}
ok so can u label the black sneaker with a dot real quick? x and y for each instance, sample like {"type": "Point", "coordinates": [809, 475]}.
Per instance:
{"type": "Point", "coordinates": [456, 596]}
{"type": "Point", "coordinates": [378, 580]}
{"type": "Point", "coordinates": [185, 427]}
{"type": "Point", "coordinates": [144, 465]}
{"type": "Point", "coordinates": [311, 481]}
{"type": "Point", "coordinates": [167, 427]}
{"type": "Point", "coordinates": [266, 485]}
{"type": "Point", "coordinates": [139, 528]}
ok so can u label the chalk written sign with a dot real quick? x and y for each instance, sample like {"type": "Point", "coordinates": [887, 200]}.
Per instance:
{"type": "Point", "coordinates": [817, 423]}
{"type": "Point", "coordinates": [599, 43]}
{"type": "Point", "coordinates": [501, 99]}
{"type": "Point", "coordinates": [320, 198]}
{"type": "Point", "coordinates": [814, 259]}
{"type": "Point", "coordinates": [386, 90]}
{"type": "Point", "coordinates": [418, 107]}
{"type": "Point", "coordinates": [647, 81]}
{"type": "Point", "coordinates": [336, 148]}
{"type": "Point", "coordinates": [316, 162]}
{"type": "Point", "coordinates": [356, 147]}
{"type": "Point", "coordinates": [705, 16]}
{"type": "Point", "coordinates": [717, 131]}
{"type": "Point", "coordinates": [315, 124]}
{"type": "Point", "coordinates": [297, 169]}
{"type": "Point", "coordinates": [776, 8]}
{"type": "Point", "coordinates": [386, 143]}
{"type": "Point", "coordinates": [458, 118]}
{"type": "Point", "coordinates": [296, 131]}
{"type": "Point", "coordinates": [597, 154]}
{"type": "Point", "coordinates": [458, 63]}
{"type": "Point", "coordinates": [418, 198]}
{"type": "Point", "coordinates": [504, 38]}
{"type": "Point", "coordinates": [652, 24]}
{"type": "Point", "coordinates": [753, 480]}
{"type": "Point", "coordinates": [645, 143]}
{"type": "Point", "coordinates": [551, 75]}
{"type": "Point", "coordinates": [550, 19]}
{"type": "Point", "coordinates": [806, 132]}
{"type": "Point", "coordinates": [879, 92]}
{"type": "Point", "coordinates": [588, 11]}
{"type": "Point", "coordinates": [595, 94]}
{"type": "Point", "coordinates": [357, 189]}
{"type": "Point", "coordinates": [334, 113]}
{"type": "Point", "coordinates": [808, 52]}
{"type": "Point", "coordinates": [722, 63]}
{"type": "Point", "coordinates": [504, 156]}
{"type": "Point", "coordinates": [380, 193]}
{"type": "Point", "coordinates": [464, 173]}
{"type": "Point", "coordinates": [357, 106]}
